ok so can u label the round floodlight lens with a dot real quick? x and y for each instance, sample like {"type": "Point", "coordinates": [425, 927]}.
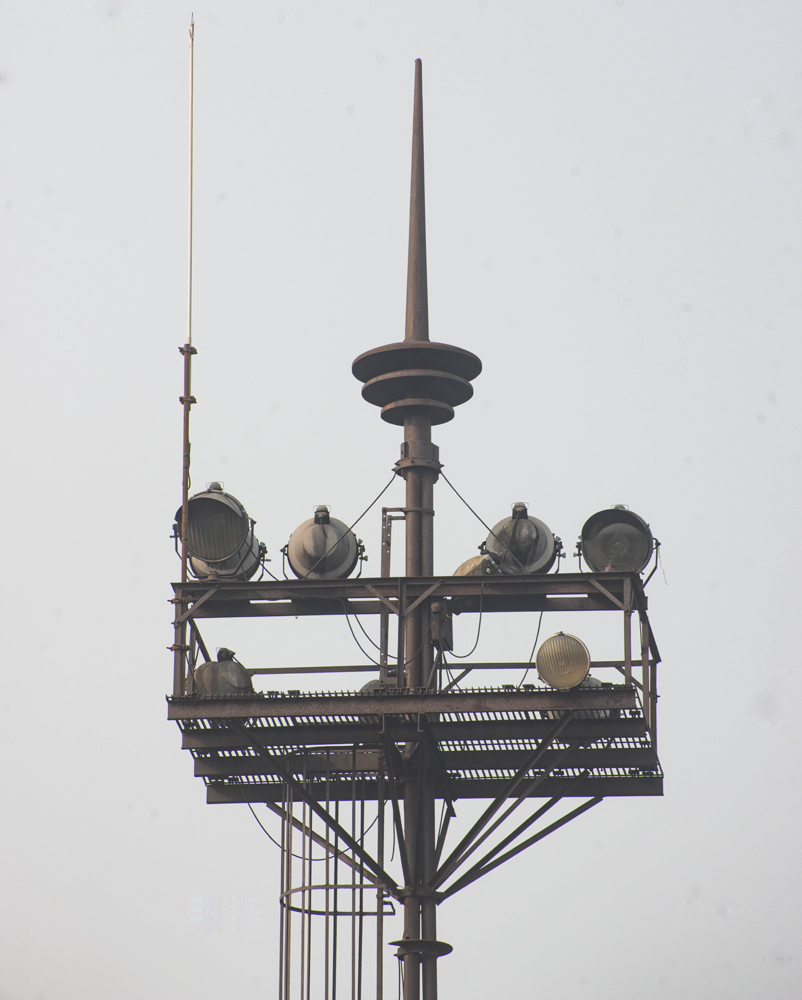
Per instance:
{"type": "Point", "coordinates": [616, 541]}
{"type": "Point", "coordinates": [563, 661]}
{"type": "Point", "coordinates": [216, 530]}
{"type": "Point", "coordinates": [220, 539]}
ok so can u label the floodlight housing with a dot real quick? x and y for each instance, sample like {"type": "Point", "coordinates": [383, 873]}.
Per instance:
{"type": "Point", "coordinates": [222, 678]}
{"type": "Point", "coordinates": [616, 541]}
{"type": "Point", "coordinates": [521, 544]}
{"type": "Point", "coordinates": [221, 541]}
{"type": "Point", "coordinates": [481, 565]}
{"type": "Point", "coordinates": [563, 661]}
{"type": "Point", "coordinates": [323, 548]}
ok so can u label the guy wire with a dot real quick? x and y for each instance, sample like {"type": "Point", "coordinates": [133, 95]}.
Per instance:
{"type": "Point", "coordinates": [351, 527]}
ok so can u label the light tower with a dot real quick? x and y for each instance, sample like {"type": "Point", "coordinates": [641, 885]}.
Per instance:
{"type": "Point", "coordinates": [413, 739]}
{"type": "Point", "coordinates": [417, 383]}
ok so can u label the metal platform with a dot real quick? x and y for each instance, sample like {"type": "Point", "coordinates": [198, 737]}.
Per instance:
{"type": "Point", "coordinates": [475, 740]}
{"type": "Point", "coordinates": [244, 747]}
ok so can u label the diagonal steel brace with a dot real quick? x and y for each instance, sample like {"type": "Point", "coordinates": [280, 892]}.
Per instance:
{"type": "Point", "coordinates": [319, 811]}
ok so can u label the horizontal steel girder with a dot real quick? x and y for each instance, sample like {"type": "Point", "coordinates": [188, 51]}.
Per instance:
{"type": "Point", "coordinates": [466, 788]}
{"type": "Point", "coordinates": [354, 706]}
{"type": "Point", "coordinates": [369, 761]}
{"type": "Point", "coordinates": [339, 734]}
{"type": "Point", "coordinates": [538, 592]}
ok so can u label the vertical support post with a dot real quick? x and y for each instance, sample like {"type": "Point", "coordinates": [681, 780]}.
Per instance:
{"type": "Point", "coordinates": [282, 887]}
{"type": "Point", "coordinates": [387, 670]}
{"type": "Point", "coordinates": [379, 889]}
{"type": "Point", "coordinates": [628, 632]}
{"type": "Point", "coordinates": [287, 899]}
{"type": "Point", "coordinates": [648, 707]}
{"type": "Point", "coordinates": [653, 689]}
{"type": "Point", "coordinates": [384, 614]}
{"type": "Point", "coordinates": [400, 653]}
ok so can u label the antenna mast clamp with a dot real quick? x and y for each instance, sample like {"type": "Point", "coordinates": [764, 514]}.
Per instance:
{"type": "Point", "coordinates": [427, 457]}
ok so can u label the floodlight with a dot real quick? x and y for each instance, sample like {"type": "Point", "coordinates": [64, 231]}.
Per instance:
{"type": "Point", "coordinates": [521, 544]}
{"type": "Point", "coordinates": [220, 540]}
{"type": "Point", "coordinates": [592, 713]}
{"type": "Point", "coordinates": [225, 677]}
{"type": "Point", "coordinates": [563, 661]}
{"type": "Point", "coordinates": [616, 541]}
{"type": "Point", "coordinates": [481, 565]}
{"type": "Point", "coordinates": [323, 548]}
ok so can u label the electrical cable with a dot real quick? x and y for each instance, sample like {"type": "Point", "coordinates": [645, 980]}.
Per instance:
{"type": "Point", "coordinates": [534, 647]}
{"type": "Point", "coordinates": [351, 527]}
{"type": "Point", "coordinates": [464, 656]}
{"type": "Point", "coordinates": [426, 634]}
{"type": "Point", "coordinates": [370, 638]}
{"type": "Point", "coordinates": [338, 854]}
{"type": "Point", "coordinates": [364, 652]}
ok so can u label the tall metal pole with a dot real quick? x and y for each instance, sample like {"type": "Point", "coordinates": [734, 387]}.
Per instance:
{"type": "Point", "coordinates": [187, 399]}
{"type": "Point", "coordinates": [417, 383]}
{"type": "Point", "coordinates": [419, 908]}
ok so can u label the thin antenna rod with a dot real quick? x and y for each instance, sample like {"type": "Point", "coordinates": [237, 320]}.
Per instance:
{"type": "Point", "coordinates": [179, 645]}
{"type": "Point", "coordinates": [417, 323]}
{"type": "Point", "coordinates": [191, 168]}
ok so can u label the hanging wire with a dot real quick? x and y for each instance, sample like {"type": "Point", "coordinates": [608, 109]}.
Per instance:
{"type": "Point", "coordinates": [351, 527]}
{"type": "Point", "coordinates": [338, 854]}
{"type": "Point", "coordinates": [534, 647]}
{"type": "Point", "coordinates": [464, 656]}
{"type": "Point", "coordinates": [427, 631]}
{"type": "Point", "coordinates": [370, 639]}
{"type": "Point", "coordinates": [362, 650]}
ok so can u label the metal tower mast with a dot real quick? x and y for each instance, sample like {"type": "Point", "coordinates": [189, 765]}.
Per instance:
{"type": "Point", "coordinates": [320, 760]}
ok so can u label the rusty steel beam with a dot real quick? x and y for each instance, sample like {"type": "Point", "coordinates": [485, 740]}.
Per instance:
{"type": "Point", "coordinates": [461, 883]}
{"type": "Point", "coordinates": [450, 760]}
{"type": "Point", "coordinates": [327, 846]}
{"type": "Point", "coordinates": [467, 788]}
{"type": "Point", "coordinates": [331, 606]}
{"type": "Point", "coordinates": [351, 668]}
{"type": "Point", "coordinates": [530, 759]}
{"type": "Point", "coordinates": [302, 791]}
{"type": "Point", "coordinates": [317, 734]}
{"type": "Point", "coordinates": [548, 584]}
{"type": "Point", "coordinates": [416, 702]}
{"type": "Point", "coordinates": [337, 762]}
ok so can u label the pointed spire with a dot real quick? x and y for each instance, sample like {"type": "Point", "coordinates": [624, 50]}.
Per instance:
{"type": "Point", "coordinates": [417, 325]}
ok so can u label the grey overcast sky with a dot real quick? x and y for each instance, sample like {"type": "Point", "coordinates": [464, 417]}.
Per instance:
{"type": "Point", "coordinates": [613, 196]}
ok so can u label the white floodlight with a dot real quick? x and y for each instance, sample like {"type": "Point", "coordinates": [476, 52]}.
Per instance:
{"type": "Point", "coordinates": [481, 565]}
{"type": "Point", "coordinates": [563, 661]}
{"type": "Point", "coordinates": [616, 541]}
{"type": "Point", "coordinates": [323, 548]}
{"type": "Point", "coordinates": [221, 541]}
{"type": "Point", "coordinates": [522, 544]}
